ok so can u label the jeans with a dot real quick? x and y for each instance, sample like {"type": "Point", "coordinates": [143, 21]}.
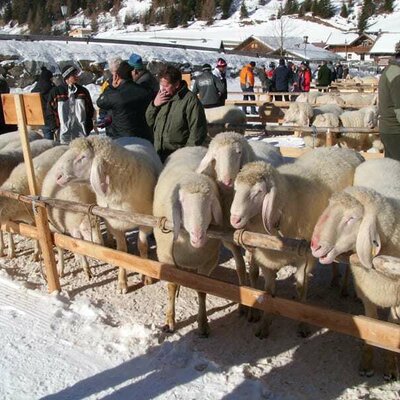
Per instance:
{"type": "Point", "coordinates": [248, 97]}
{"type": "Point", "coordinates": [48, 133]}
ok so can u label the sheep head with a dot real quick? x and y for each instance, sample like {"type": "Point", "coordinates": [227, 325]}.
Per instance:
{"type": "Point", "coordinates": [349, 223]}
{"type": "Point", "coordinates": [227, 152]}
{"type": "Point", "coordinates": [255, 193]}
{"type": "Point", "coordinates": [196, 205]}
{"type": "Point", "coordinates": [76, 163]}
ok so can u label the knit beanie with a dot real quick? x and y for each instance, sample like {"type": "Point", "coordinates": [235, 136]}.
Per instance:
{"type": "Point", "coordinates": [206, 67]}
{"type": "Point", "coordinates": [68, 70]}
{"type": "Point", "coordinates": [135, 61]}
{"type": "Point", "coordinates": [45, 74]}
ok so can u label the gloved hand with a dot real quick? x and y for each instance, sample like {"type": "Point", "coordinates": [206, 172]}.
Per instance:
{"type": "Point", "coordinates": [106, 121]}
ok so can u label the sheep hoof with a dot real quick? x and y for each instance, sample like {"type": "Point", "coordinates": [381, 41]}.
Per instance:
{"type": "Point", "coordinates": [122, 288]}
{"type": "Point", "coordinates": [167, 329]}
{"type": "Point", "coordinates": [392, 369]}
{"type": "Point", "coordinates": [148, 280]}
{"type": "Point", "coordinates": [303, 330]}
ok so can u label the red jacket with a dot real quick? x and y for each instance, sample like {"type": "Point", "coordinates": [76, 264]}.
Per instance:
{"type": "Point", "coordinates": [305, 80]}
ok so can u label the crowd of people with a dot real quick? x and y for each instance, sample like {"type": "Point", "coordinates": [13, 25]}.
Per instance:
{"type": "Point", "coordinates": [164, 110]}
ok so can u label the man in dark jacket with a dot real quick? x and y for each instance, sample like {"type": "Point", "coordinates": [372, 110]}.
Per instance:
{"type": "Point", "coordinates": [209, 88]}
{"type": "Point", "coordinates": [69, 107]}
{"type": "Point", "coordinates": [44, 86]}
{"type": "Point", "coordinates": [389, 106]}
{"type": "Point", "coordinates": [142, 76]}
{"type": "Point", "coordinates": [281, 78]}
{"type": "Point", "coordinates": [127, 102]}
{"type": "Point", "coordinates": [324, 77]}
{"type": "Point", "coordinates": [176, 115]}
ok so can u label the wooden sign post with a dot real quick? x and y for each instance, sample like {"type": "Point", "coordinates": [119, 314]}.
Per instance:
{"type": "Point", "coordinates": [24, 110]}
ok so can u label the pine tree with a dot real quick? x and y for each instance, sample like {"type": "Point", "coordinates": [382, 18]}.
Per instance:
{"type": "Point", "coordinates": [307, 4]}
{"type": "Point", "coordinates": [20, 10]}
{"type": "Point", "coordinates": [326, 10]}
{"type": "Point", "coordinates": [388, 6]}
{"type": "Point", "coordinates": [7, 15]}
{"type": "Point", "coordinates": [291, 7]}
{"type": "Point", "coordinates": [243, 11]}
{"type": "Point", "coordinates": [315, 7]}
{"type": "Point", "coordinates": [94, 24]}
{"type": "Point", "coordinates": [171, 17]}
{"type": "Point", "coordinates": [208, 11]}
{"type": "Point", "coordinates": [368, 9]}
{"type": "Point", "coordinates": [301, 11]}
{"type": "Point", "coordinates": [225, 7]}
{"type": "Point", "coordinates": [344, 12]}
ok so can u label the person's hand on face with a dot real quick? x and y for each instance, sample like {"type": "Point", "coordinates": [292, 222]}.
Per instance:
{"type": "Point", "coordinates": [161, 98]}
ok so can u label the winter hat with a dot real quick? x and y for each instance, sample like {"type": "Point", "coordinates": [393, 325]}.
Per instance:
{"type": "Point", "coordinates": [252, 63]}
{"type": "Point", "coordinates": [221, 62]}
{"type": "Point", "coordinates": [68, 70]}
{"type": "Point", "coordinates": [206, 67]}
{"type": "Point", "coordinates": [45, 74]}
{"type": "Point", "coordinates": [281, 61]}
{"type": "Point", "coordinates": [135, 61]}
{"type": "Point", "coordinates": [397, 48]}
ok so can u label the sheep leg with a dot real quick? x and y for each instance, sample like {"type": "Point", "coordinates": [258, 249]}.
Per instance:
{"type": "Point", "coordinates": [85, 232]}
{"type": "Point", "coordinates": [143, 248]}
{"type": "Point", "coordinates": [121, 246]}
{"type": "Point", "coordinates": [11, 246]}
{"type": "Point", "coordinates": [60, 262]}
{"type": "Point", "coordinates": [269, 287]}
{"type": "Point", "coordinates": [366, 367]}
{"type": "Point", "coordinates": [170, 314]}
{"type": "Point", "coordinates": [301, 277]}
{"type": "Point", "coordinates": [36, 251]}
{"type": "Point", "coordinates": [2, 245]}
{"type": "Point", "coordinates": [240, 269]}
{"type": "Point", "coordinates": [203, 327]}
{"type": "Point", "coordinates": [392, 367]}
{"type": "Point", "coordinates": [253, 315]}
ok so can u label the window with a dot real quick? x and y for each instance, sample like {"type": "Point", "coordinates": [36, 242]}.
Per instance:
{"type": "Point", "coordinates": [349, 56]}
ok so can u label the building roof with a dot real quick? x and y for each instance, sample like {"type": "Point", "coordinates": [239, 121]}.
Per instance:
{"type": "Point", "coordinates": [385, 43]}
{"type": "Point", "coordinates": [296, 47]}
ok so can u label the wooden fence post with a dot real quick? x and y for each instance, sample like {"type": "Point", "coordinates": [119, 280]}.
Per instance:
{"type": "Point", "coordinates": [40, 213]}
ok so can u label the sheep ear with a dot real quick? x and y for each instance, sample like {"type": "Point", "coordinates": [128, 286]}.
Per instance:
{"type": "Point", "coordinates": [176, 217]}
{"type": "Point", "coordinates": [216, 211]}
{"type": "Point", "coordinates": [205, 163]}
{"type": "Point", "coordinates": [368, 243]}
{"type": "Point", "coordinates": [269, 213]}
{"type": "Point", "coordinates": [98, 178]}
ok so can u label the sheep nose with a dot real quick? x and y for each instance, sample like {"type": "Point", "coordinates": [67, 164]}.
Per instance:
{"type": "Point", "coordinates": [314, 244]}
{"type": "Point", "coordinates": [235, 220]}
{"type": "Point", "coordinates": [228, 182]}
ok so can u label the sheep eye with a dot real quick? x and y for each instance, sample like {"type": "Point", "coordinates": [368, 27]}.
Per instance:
{"type": "Point", "coordinates": [349, 220]}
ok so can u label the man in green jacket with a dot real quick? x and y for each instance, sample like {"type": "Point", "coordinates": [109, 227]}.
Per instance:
{"type": "Point", "coordinates": [389, 106]}
{"type": "Point", "coordinates": [175, 115]}
{"type": "Point", "coordinates": [324, 77]}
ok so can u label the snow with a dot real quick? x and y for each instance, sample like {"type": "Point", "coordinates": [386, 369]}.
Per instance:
{"type": "Point", "coordinates": [386, 43]}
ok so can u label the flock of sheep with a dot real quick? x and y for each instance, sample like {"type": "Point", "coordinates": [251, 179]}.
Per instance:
{"type": "Point", "coordinates": [328, 196]}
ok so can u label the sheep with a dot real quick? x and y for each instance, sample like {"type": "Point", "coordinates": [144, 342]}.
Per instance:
{"type": "Point", "coordinates": [328, 108]}
{"type": "Point", "coordinates": [18, 182]}
{"type": "Point", "coordinates": [328, 120]}
{"type": "Point", "coordinates": [329, 99]}
{"type": "Point", "coordinates": [358, 99]}
{"type": "Point", "coordinates": [123, 178]}
{"type": "Point", "coordinates": [183, 195]}
{"type": "Point", "coordinates": [12, 140]}
{"type": "Point", "coordinates": [78, 225]}
{"type": "Point", "coordinates": [310, 97]}
{"type": "Point", "coordinates": [365, 117]}
{"type": "Point", "coordinates": [365, 219]}
{"type": "Point", "coordinates": [227, 153]}
{"type": "Point", "coordinates": [10, 158]}
{"type": "Point", "coordinates": [299, 114]}
{"type": "Point", "coordinates": [290, 197]}
{"type": "Point", "coordinates": [229, 116]}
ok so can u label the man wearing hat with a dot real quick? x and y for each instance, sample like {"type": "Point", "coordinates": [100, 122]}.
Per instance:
{"type": "Point", "coordinates": [209, 88]}
{"type": "Point", "coordinates": [142, 76]}
{"type": "Point", "coordinates": [389, 106]}
{"type": "Point", "coordinates": [69, 107]}
{"type": "Point", "coordinates": [220, 73]}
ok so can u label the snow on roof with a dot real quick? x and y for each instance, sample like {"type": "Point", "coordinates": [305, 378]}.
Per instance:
{"type": "Point", "coordinates": [385, 43]}
{"type": "Point", "coordinates": [340, 38]}
{"type": "Point", "coordinates": [297, 47]}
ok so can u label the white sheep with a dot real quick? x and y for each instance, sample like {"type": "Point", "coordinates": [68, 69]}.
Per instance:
{"type": "Point", "coordinates": [365, 219]}
{"type": "Point", "coordinates": [11, 157]}
{"type": "Point", "coordinates": [229, 117]}
{"type": "Point", "coordinates": [12, 140]}
{"type": "Point", "coordinates": [226, 154]}
{"type": "Point", "coordinates": [310, 97]}
{"type": "Point", "coordinates": [184, 196]}
{"type": "Point", "coordinates": [78, 225]}
{"type": "Point", "coordinates": [328, 108]}
{"type": "Point", "coordinates": [365, 117]}
{"type": "Point", "coordinates": [288, 199]}
{"type": "Point", "coordinates": [359, 99]}
{"type": "Point", "coordinates": [329, 98]}
{"type": "Point", "coordinates": [299, 114]}
{"type": "Point", "coordinates": [18, 182]}
{"type": "Point", "coordinates": [327, 120]}
{"type": "Point", "coordinates": [123, 178]}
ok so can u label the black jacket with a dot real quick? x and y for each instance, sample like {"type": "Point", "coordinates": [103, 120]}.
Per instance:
{"type": "Point", "coordinates": [4, 88]}
{"type": "Point", "coordinates": [128, 103]}
{"type": "Point", "coordinates": [281, 78]}
{"type": "Point", "coordinates": [149, 82]}
{"type": "Point", "coordinates": [209, 88]}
